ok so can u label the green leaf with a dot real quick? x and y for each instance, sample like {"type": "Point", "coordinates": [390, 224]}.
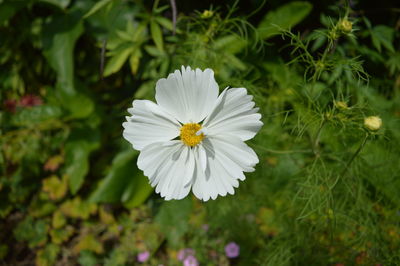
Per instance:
{"type": "Point", "coordinates": [99, 5]}
{"type": "Point", "coordinates": [166, 23]}
{"type": "Point", "coordinates": [34, 232]}
{"type": "Point", "coordinates": [89, 242]}
{"type": "Point", "coordinates": [8, 9]}
{"type": "Point", "coordinates": [48, 255]}
{"type": "Point", "coordinates": [231, 44]}
{"type": "Point", "coordinates": [3, 251]}
{"type": "Point", "coordinates": [87, 258]}
{"type": "Point", "coordinates": [383, 35]}
{"type": "Point", "coordinates": [145, 91]}
{"type": "Point", "coordinates": [137, 191]}
{"type": "Point", "coordinates": [78, 104]}
{"type": "Point", "coordinates": [54, 187]}
{"type": "Point", "coordinates": [156, 34]}
{"type": "Point", "coordinates": [134, 61]}
{"type": "Point", "coordinates": [36, 114]}
{"type": "Point", "coordinates": [153, 51]}
{"type": "Point", "coordinates": [124, 182]}
{"type": "Point", "coordinates": [173, 219]}
{"type": "Point", "coordinates": [122, 170]}
{"type": "Point", "coordinates": [118, 60]}
{"type": "Point", "coordinates": [58, 3]}
{"type": "Point", "coordinates": [59, 38]}
{"type": "Point", "coordinates": [285, 17]}
{"type": "Point", "coordinates": [77, 208]}
{"type": "Point", "coordinates": [77, 150]}
{"type": "Point", "coordinates": [58, 236]}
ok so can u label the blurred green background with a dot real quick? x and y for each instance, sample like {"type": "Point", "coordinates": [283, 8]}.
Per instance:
{"type": "Point", "coordinates": [326, 190]}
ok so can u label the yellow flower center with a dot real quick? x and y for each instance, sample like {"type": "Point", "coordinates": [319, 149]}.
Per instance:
{"type": "Point", "coordinates": [188, 134]}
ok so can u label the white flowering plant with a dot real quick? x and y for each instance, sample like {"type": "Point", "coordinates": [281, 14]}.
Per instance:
{"type": "Point", "coordinates": [160, 133]}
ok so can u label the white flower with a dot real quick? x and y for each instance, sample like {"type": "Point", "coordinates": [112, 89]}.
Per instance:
{"type": "Point", "coordinates": [193, 138]}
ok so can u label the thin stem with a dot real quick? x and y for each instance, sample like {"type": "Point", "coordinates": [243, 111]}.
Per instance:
{"type": "Point", "coordinates": [174, 11]}
{"type": "Point", "coordinates": [354, 155]}
{"type": "Point", "coordinates": [317, 138]}
{"type": "Point", "coordinates": [281, 151]}
{"type": "Point", "coordinates": [102, 57]}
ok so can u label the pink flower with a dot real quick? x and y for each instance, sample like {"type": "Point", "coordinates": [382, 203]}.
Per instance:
{"type": "Point", "coordinates": [190, 261]}
{"type": "Point", "coordinates": [205, 227]}
{"type": "Point", "coordinates": [232, 250]}
{"type": "Point", "coordinates": [10, 105]}
{"type": "Point", "coordinates": [30, 100]}
{"type": "Point", "coordinates": [184, 253]}
{"type": "Point", "coordinates": [143, 256]}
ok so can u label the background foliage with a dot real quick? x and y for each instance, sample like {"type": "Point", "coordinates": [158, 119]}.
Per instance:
{"type": "Point", "coordinates": [326, 190]}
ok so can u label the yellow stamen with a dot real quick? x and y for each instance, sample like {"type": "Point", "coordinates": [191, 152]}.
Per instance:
{"type": "Point", "coordinates": [188, 134]}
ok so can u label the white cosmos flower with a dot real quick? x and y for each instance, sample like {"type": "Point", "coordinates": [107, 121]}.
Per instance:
{"type": "Point", "coordinates": [192, 138]}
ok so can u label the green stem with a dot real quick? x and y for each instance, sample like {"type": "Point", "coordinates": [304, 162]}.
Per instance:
{"type": "Point", "coordinates": [354, 155]}
{"type": "Point", "coordinates": [317, 138]}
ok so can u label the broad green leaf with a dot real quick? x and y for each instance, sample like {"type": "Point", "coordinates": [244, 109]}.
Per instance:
{"type": "Point", "coordinates": [89, 242]}
{"type": "Point", "coordinates": [77, 151]}
{"type": "Point", "coordinates": [36, 114]}
{"type": "Point", "coordinates": [99, 5]}
{"type": "Point", "coordinates": [58, 236]}
{"type": "Point", "coordinates": [137, 191]}
{"type": "Point", "coordinates": [145, 91]}
{"type": "Point", "coordinates": [59, 38]}
{"type": "Point", "coordinates": [285, 17]}
{"type": "Point", "coordinates": [58, 221]}
{"type": "Point", "coordinates": [87, 258]}
{"type": "Point", "coordinates": [78, 104]}
{"type": "Point", "coordinates": [48, 255]}
{"type": "Point", "coordinates": [34, 232]}
{"type": "Point", "coordinates": [55, 187]}
{"type": "Point", "coordinates": [124, 182]}
{"type": "Point", "coordinates": [156, 34]}
{"type": "Point", "coordinates": [8, 9]}
{"type": "Point", "coordinates": [77, 208]}
{"type": "Point", "coordinates": [122, 170]}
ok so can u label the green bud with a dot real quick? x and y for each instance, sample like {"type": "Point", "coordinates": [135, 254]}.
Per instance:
{"type": "Point", "coordinates": [345, 25]}
{"type": "Point", "coordinates": [373, 123]}
{"type": "Point", "coordinates": [207, 14]}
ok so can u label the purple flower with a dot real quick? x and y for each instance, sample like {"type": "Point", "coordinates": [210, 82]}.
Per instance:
{"type": "Point", "coordinates": [190, 261]}
{"type": "Point", "coordinates": [205, 227]}
{"type": "Point", "coordinates": [184, 253]}
{"type": "Point", "coordinates": [143, 256]}
{"type": "Point", "coordinates": [232, 250]}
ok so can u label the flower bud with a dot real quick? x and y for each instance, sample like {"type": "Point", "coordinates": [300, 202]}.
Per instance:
{"type": "Point", "coordinates": [345, 25]}
{"type": "Point", "coordinates": [207, 14]}
{"type": "Point", "coordinates": [373, 123]}
{"type": "Point", "coordinates": [341, 105]}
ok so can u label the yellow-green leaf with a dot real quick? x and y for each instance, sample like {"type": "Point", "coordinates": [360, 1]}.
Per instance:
{"type": "Point", "coordinates": [89, 242]}
{"type": "Point", "coordinates": [156, 34]}
{"type": "Point", "coordinates": [117, 61]}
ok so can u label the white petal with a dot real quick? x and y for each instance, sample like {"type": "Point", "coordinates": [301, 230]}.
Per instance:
{"type": "Point", "coordinates": [227, 158]}
{"type": "Point", "coordinates": [234, 113]}
{"type": "Point", "coordinates": [189, 95]}
{"type": "Point", "coordinates": [169, 167]}
{"type": "Point", "coordinates": [148, 124]}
